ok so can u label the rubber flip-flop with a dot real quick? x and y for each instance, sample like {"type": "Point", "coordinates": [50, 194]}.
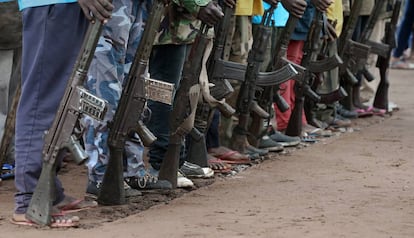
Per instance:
{"type": "Point", "coordinates": [219, 166]}
{"type": "Point", "coordinates": [58, 221]}
{"type": "Point", "coordinates": [228, 158]}
{"type": "Point", "coordinates": [363, 113]}
{"type": "Point", "coordinates": [376, 111]}
{"type": "Point", "coordinates": [77, 205]}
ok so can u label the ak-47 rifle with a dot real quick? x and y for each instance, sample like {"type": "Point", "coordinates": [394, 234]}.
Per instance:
{"type": "Point", "coordinates": [127, 118]}
{"type": "Point", "coordinates": [340, 93]}
{"type": "Point", "coordinates": [248, 87]}
{"type": "Point", "coordinates": [325, 62]}
{"type": "Point", "coordinates": [377, 48]}
{"type": "Point", "coordinates": [351, 52]}
{"type": "Point", "coordinates": [302, 86]}
{"type": "Point", "coordinates": [269, 94]}
{"type": "Point", "coordinates": [358, 65]}
{"type": "Point", "coordinates": [215, 96]}
{"type": "Point", "coordinates": [75, 102]}
{"type": "Point", "coordinates": [219, 70]}
{"type": "Point", "coordinates": [184, 107]}
{"type": "Point", "coordinates": [381, 95]}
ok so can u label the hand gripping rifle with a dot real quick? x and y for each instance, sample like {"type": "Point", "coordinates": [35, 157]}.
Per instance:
{"type": "Point", "coordinates": [184, 107]}
{"type": "Point", "coordinates": [127, 118]}
{"type": "Point", "coordinates": [75, 102]}
{"type": "Point", "coordinates": [381, 95]}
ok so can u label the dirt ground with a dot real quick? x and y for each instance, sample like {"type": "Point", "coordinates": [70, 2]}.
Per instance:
{"type": "Point", "coordinates": [354, 184]}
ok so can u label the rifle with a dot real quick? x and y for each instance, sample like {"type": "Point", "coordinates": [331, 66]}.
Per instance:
{"type": "Point", "coordinates": [374, 47]}
{"type": "Point", "coordinates": [326, 61]}
{"type": "Point", "coordinates": [219, 69]}
{"type": "Point", "coordinates": [127, 118]}
{"type": "Point", "coordinates": [350, 51]}
{"type": "Point", "coordinates": [184, 107]}
{"type": "Point", "coordinates": [9, 127]}
{"type": "Point", "coordinates": [213, 97]}
{"type": "Point", "coordinates": [75, 102]}
{"type": "Point", "coordinates": [310, 53]}
{"type": "Point", "coordinates": [269, 94]}
{"type": "Point", "coordinates": [381, 95]}
{"type": "Point", "coordinates": [347, 47]}
{"type": "Point", "coordinates": [248, 87]}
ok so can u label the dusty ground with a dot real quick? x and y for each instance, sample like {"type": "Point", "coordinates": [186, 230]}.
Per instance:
{"type": "Point", "coordinates": [356, 184]}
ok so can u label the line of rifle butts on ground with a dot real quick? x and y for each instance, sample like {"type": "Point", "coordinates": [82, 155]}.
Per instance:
{"type": "Point", "coordinates": [259, 96]}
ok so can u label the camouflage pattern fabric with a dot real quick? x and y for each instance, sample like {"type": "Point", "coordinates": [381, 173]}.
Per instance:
{"type": "Point", "coordinates": [10, 26]}
{"type": "Point", "coordinates": [179, 25]}
{"type": "Point", "coordinates": [113, 58]}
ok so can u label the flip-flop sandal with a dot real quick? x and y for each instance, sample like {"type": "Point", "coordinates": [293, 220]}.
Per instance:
{"type": "Point", "coordinates": [376, 111]}
{"type": "Point", "coordinates": [228, 158]}
{"type": "Point", "coordinates": [219, 166]}
{"type": "Point", "coordinates": [363, 113]}
{"type": "Point", "coordinates": [58, 221]}
{"type": "Point", "coordinates": [76, 206]}
{"type": "Point", "coordinates": [227, 154]}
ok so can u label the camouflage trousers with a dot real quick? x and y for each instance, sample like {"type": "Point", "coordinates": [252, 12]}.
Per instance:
{"type": "Point", "coordinates": [113, 57]}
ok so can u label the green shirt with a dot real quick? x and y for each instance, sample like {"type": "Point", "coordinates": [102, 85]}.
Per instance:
{"type": "Point", "coordinates": [179, 24]}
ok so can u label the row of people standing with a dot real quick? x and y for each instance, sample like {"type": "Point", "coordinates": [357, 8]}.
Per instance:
{"type": "Point", "coordinates": [54, 29]}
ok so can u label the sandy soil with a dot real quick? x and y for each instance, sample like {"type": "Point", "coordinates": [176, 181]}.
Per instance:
{"type": "Point", "coordinates": [355, 184]}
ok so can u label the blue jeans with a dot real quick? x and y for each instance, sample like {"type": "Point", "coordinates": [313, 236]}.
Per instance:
{"type": "Point", "coordinates": [405, 29]}
{"type": "Point", "coordinates": [212, 135]}
{"type": "Point", "coordinates": [52, 37]}
{"type": "Point", "coordinates": [166, 64]}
